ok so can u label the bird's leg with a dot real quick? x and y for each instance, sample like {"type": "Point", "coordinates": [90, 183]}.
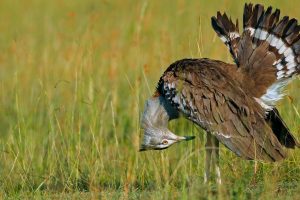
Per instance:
{"type": "Point", "coordinates": [208, 153]}
{"type": "Point", "coordinates": [215, 158]}
{"type": "Point", "coordinates": [212, 158]}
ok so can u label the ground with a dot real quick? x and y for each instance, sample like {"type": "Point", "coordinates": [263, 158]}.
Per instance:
{"type": "Point", "coordinates": [74, 76]}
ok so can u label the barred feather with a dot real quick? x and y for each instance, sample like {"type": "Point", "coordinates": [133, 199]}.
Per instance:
{"type": "Point", "coordinates": [282, 38]}
{"type": "Point", "coordinates": [268, 51]}
{"type": "Point", "coordinates": [227, 31]}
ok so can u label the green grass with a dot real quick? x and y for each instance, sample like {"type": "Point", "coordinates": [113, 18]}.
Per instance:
{"type": "Point", "coordinates": [74, 76]}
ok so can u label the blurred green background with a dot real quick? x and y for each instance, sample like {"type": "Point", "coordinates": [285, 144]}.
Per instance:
{"type": "Point", "coordinates": [74, 76]}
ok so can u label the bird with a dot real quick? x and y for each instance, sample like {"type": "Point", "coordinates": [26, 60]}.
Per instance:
{"type": "Point", "coordinates": [235, 103]}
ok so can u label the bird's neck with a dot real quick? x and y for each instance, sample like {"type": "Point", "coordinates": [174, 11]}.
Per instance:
{"type": "Point", "coordinates": [158, 112]}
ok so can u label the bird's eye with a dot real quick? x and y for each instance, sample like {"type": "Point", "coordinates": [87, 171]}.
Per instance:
{"type": "Point", "coordinates": [165, 142]}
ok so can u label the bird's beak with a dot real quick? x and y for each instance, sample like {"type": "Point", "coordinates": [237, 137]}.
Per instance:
{"type": "Point", "coordinates": [142, 148]}
{"type": "Point", "coordinates": [184, 138]}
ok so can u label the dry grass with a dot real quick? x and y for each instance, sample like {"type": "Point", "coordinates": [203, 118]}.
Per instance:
{"type": "Point", "coordinates": [73, 79]}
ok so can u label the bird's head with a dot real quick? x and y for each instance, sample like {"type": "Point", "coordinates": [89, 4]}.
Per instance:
{"type": "Point", "coordinates": [155, 120]}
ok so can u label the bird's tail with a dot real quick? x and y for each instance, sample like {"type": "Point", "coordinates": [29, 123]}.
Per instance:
{"type": "Point", "coordinates": [279, 37]}
{"type": "Point", "coordinates": [267, 52]}
{"type": "Point", "coordinates": [281, 130]}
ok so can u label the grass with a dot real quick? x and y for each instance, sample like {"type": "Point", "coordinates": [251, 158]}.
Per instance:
{"type": "Point", "coordinates": [74, 76]}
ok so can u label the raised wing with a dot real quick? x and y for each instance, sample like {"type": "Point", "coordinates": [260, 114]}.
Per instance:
{"type": "Point", "coordinates": [228, 32]}
{"type": "Point", "coordinates": [208, 96]}
{"type": "Point", "coordinates": [267, 52]}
